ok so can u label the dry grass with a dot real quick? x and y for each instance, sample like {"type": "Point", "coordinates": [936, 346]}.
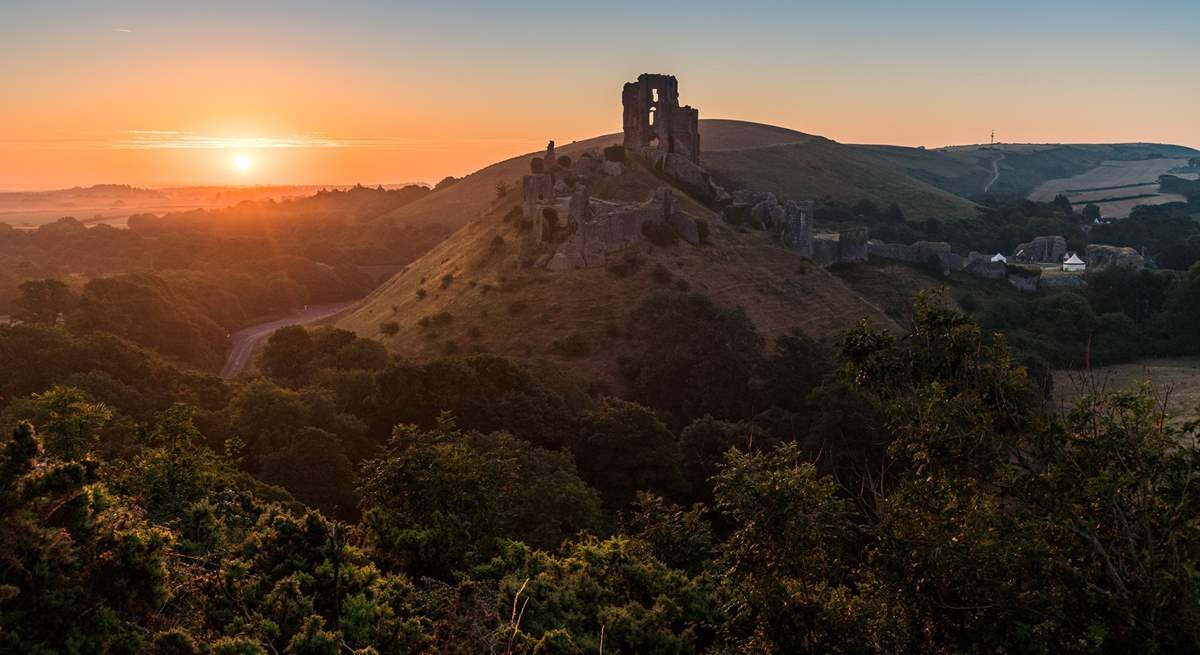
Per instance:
{"type": "Point", "coordinates": [1176, 379]}
{"type": "Point", "coordinates": [500, 306]}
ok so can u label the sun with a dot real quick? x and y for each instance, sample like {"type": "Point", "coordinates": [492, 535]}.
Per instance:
{"type": "Point", "coordinates": [242, 163]}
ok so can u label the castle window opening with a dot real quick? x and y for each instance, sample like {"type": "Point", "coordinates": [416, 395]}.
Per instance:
{"type": "Point", "coordinates": [654, 94]}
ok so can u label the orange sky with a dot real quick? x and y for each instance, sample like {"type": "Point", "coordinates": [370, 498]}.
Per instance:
{"type": "Point", "coordinates": [160, 94]}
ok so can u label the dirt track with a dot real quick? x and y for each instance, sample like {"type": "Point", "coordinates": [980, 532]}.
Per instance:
{"type": "Point", "coordinates": [245, 339]}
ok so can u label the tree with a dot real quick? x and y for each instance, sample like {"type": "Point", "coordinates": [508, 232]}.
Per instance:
{"type": "Point", "coordinates": [71, 422]}
{"type": "Point", "coordinates": [314, 468]}
{"type": "Point", "coordinates": [502, 189]}
{"type": "Point", "coordinates": [787, 567]}
{"type": "Point", "coordinates": [1090, 213]}
{"type": "Point", "coordinates": [441, 500]}
{"type": "Point", "coordinates": [43, 301]}
{"type": "Point", "coordinates": [623, 448]}
{"type": "Point", "coordinates": [690, 357]}
{"type": "Point", "coordinates": [287, 354]}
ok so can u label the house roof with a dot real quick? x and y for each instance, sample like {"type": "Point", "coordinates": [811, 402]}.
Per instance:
{"type": "Point", "coordinates": [1074, 259]}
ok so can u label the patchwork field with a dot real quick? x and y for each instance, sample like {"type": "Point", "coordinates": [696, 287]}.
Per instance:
{"type": "Point", "coordinates": [1175, 380]}
{"type": "Point", "coordinates": [1115, 186]}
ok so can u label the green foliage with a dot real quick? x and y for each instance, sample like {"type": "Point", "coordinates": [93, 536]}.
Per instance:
{"type": "Point", "coordinates": [43, 301]}
{"type": "Point", "coordinates": [438, 501]}
{"type": "Point", "coordinates": [71, 421]}
{"type": "Point", "coordinates": [691, 357]}
{"type": "Point", "coordinates": [293, 354]}
{"type": "Point", "coordinates": [623, 448]}
{"type": "Point", "coordinates": [483, 392]}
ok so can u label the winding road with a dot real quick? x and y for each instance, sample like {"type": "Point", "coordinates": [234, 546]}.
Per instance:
{"type": "Point", "coordinates": [245, 339]}
{"type": "Point", "coordinates": [995, 173]}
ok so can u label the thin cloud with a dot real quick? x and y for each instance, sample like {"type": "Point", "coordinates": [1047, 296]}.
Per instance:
{"type": "Point", "coordinates": [123, 29]}
{"type": "Point", "coordinates": [183, 140]}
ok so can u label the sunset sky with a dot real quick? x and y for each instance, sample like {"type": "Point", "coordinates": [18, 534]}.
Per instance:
{"type": "Point", "coordinates": [165, 93]}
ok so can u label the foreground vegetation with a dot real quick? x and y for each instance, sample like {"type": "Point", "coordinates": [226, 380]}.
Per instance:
{"type": "Point", "coordinates": [886, 495]}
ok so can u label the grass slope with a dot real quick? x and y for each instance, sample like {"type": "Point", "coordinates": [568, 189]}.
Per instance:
{"type": "Point", "coordinates": [820, 168]}
{"type": "Point", "coordinates": [472, 294]}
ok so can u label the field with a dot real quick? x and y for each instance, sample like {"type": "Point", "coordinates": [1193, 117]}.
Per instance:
{"type": "Point", "coordinates": [1116, 186]}
{"type": "Point", "coordinates": [1177, 380]}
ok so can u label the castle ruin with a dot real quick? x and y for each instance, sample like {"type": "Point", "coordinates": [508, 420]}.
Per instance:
{"type": "Point", "coordinates": [654, 121]}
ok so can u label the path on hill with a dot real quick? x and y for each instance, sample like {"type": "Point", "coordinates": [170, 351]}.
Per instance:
{"type": "Point", "coordinates": [995, 173]}
{"type": "Point", "coordinates": [245, 339]}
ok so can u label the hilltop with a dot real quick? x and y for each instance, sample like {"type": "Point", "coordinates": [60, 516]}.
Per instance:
{"type": "Point", "coordinates": [475, 292]}
{"type": "Point", "coordinates": [751, 155]}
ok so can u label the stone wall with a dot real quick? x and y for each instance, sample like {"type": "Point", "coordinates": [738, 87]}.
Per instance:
{"type": "Point", "coordinates": [610, 228]}
{"type": "Point", "coordinates": [1099, 256]}
{"type": "Point", "coordinates": [918, 253]}
{"type": "Point", "coordinates": [1042, 250]}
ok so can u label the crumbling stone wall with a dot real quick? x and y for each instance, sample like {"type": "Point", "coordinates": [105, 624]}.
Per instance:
{"type": "Point", "coordinates": [918, 253]}
{"type": "Point", "coordinates": [791, 222]}
{"type": "Point", "coordinates": [1100, 256]}
{"type": "Point", "coordinates": [653, 119]}
{"type": "Point", "coordinates": [1042, 250]}
{"type": "Point", "coordinates": [611, 227]}
{"type": "Point", "coordinates": [538, 191]}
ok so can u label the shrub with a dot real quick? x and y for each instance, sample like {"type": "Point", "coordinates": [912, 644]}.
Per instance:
{"type": "Point", "coordinates": [389, 328]}
{"type": "Point", "coordinates": [421, 293]}
{"type": "Point", "coordinates": [423, 321]}
{"type": "Point", "coordinates": [447, 280]}
{"type": "Point", "coordinates": [572, 345]}
{"type": "Point", "coordinates": [497, 242]}
{"type": "Point", "coordinates": [615, 153]}
{"type": "Point", "coordinates": [502, 189]}
{"type": "Point", "coordinates": [661, 275]}
{"type": "Point", "coordinates": [660, 234]}
{"type": "Point", "coordinates": [564, 162]}
{"type": "Point", "coordinates": [682, 285]}
{"type": "Point", "coordinates": [537, 165]}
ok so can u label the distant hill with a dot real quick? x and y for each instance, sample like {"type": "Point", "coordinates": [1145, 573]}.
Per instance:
{"type": "Point", "coordinates": [967, 170]}
{"type": "Point", "coordinates": [473, 293]}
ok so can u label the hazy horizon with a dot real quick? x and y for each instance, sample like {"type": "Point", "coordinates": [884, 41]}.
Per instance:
{"type": "Point", "coordinates": [157, 96]}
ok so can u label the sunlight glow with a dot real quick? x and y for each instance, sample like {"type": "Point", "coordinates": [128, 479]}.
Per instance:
{"type": "Point", "coordinates": [242, 163]}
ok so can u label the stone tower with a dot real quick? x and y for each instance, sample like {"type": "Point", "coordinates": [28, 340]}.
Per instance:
{"type": "Point", "coordinates": [654, 121]}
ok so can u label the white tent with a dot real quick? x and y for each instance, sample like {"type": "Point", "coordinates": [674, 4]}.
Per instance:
{"type": "Point", "coordinates": [1074, 263]}
{"type": "Point", "coordinates": [999, 258]}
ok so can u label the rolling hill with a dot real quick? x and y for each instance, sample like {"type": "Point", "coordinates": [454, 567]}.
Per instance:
{"type": "Point", "coordinates": [752, 155]}
{"type": "Point", "coordinates": [475, 293]}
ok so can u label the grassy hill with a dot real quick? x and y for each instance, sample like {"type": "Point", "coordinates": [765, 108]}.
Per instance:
{"type": "Point", "coordinates": [472, 293]}
{"type": "Point", "coordinates": [967, 170]}
{"type": "Point", "coordinates": [762, 157]}
{"type": "Point", "coordinates": [819, 168]}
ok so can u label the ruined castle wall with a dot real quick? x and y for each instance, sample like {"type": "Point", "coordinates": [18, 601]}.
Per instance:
{"type": "Point", "coordinates": [653, 119]}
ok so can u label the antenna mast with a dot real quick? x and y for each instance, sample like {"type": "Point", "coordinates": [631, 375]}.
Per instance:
{"type": "Point", "coordinates": [993, 138]}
